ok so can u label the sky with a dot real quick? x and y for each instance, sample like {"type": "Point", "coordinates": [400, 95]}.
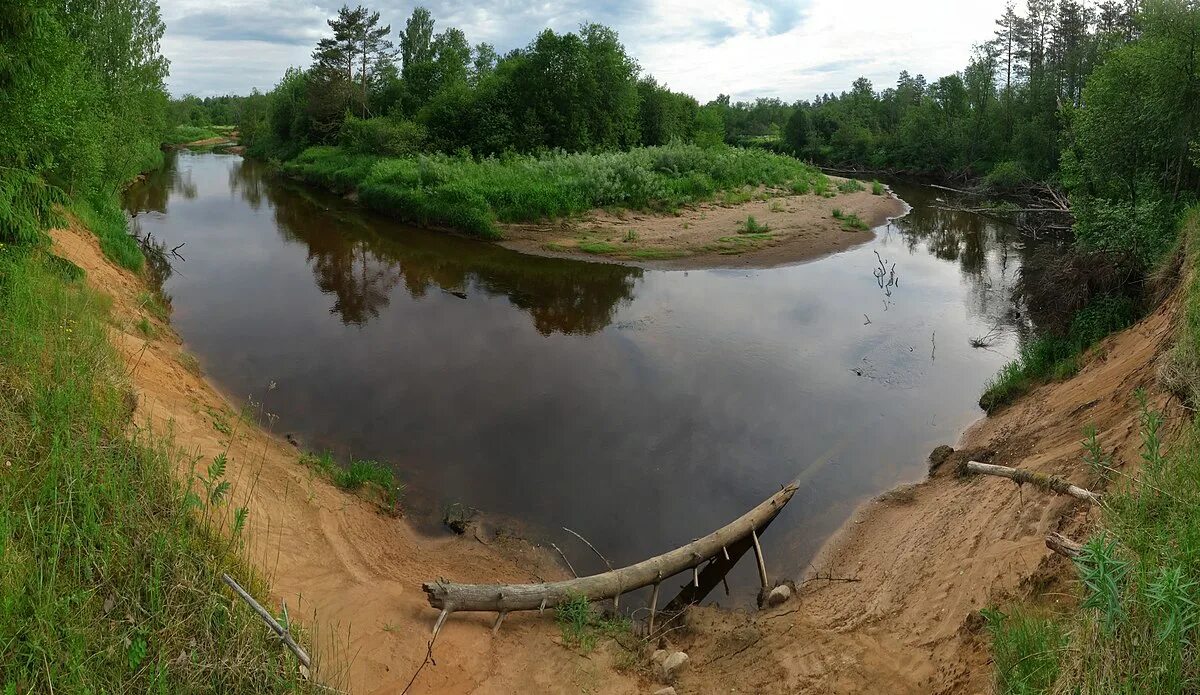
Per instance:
{"type": "Point", "coordinates": [791, 49]}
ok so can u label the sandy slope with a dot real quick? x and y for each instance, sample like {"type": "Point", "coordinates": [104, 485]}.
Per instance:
{"type": "Point", "coordinates": [353, 572]}
{"type": "Point", "coordinates": [929, 556]}
{"type": "Point", "coordinates": [801, 227]}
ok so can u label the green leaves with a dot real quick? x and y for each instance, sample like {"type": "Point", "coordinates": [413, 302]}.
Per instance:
{"type": "Point", "coordinates": [1103, 574]}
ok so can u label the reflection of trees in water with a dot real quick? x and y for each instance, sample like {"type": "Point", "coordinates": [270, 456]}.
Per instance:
{"type": "Point", "coordinates": [361, 266]}
{"type": "Point", "coordinates": [152, 193]}
{"type": "Point", "coordinates": [989, 255]}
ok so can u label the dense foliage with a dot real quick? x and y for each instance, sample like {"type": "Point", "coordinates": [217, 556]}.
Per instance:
{"type": "Point", "coordinates": [81, 103]}
{"type": "Point", "coordinates": [472, 195]}
{"type": "Point", "coordinates": [575, 91]}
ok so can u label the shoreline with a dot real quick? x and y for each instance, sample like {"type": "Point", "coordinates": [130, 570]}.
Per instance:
{"type": "Point", "coordinates": [794, 229]}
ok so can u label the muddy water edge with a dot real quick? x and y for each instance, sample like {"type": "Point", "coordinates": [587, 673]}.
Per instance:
{"type": "Point", "coordinates": [639, 407]}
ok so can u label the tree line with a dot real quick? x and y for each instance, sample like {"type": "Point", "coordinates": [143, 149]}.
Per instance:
{"type": "Point", "coordinates": [82, 105]}
{"type": "Point", "coordinates": [415, 89]}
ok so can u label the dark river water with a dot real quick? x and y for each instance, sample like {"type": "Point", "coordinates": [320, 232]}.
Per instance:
{"type": "Point", "coordinates": [642, 408]}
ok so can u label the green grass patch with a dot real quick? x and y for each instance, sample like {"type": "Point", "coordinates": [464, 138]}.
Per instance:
{"type": "Point", "coordinates": [753, 226]}
{"type": "Point", "coordinates": [183, 134]}
{"type": "Point", "coordinates": [1026, 650]}
{"type": "Point", "coordinates": [102, 214]}
{"type": "Point", "coordinates": [475, 196]}
{"type": "Point", "coordinates": [109, 566]}
{"type": "Point", "coordinates": [853, 223]}
{"type": "Point", "coordinates": [656, 254]}
{"type": "Point", "coordinates": [877, 188]}
{"type": "Point", "coordinates": [583, 626]}
{"type": "Point", "coordinates": [597, 247]}
{"type": "Point", "coordinates": [1050, 357]}
{"type": "Point", "coordinates": [850, 186]}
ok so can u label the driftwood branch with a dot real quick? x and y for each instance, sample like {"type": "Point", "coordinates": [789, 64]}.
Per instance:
{"type": "Point", "coordinates": [270, 620]}
{"type": "Point", "coordinates": [1063, 546]}
{"type": "Point", "coordinates": [1045, 482]}
{"type": "Point", "coordinates": [450, 597]}
{"type": "Point", "coordinates": [589, 544]}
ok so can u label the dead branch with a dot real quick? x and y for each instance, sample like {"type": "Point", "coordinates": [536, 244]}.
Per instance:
{"type": "Point", "coordinates": [1045, 482]}
{"type": "Point", "coordinates": [270, 620]}
{"type": "Point", "coordinates": [588, 543]}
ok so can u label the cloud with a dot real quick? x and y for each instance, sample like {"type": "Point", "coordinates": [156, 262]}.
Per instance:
{"type": "Point", "coordinates": [789, 49]}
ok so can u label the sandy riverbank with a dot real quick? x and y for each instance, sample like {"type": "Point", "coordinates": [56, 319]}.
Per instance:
{"type": "Point", "coordinates": [351, 573]}
{"type": "Point", "coordinates": [797, 228]}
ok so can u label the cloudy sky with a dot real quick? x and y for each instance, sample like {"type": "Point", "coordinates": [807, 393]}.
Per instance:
{"type": "Point", "coordinates": [746, 48]}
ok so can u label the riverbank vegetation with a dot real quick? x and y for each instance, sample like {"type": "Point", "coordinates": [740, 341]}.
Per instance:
{"type": "Point", "coordinates": [110, 567]}
{"type": "Point", "coordinates": [474, 194]}
{"type": "Point", "coordinates": [1137, 623]}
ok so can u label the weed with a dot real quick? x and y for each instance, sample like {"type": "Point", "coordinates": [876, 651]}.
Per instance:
{"type": "Point", "coordinates": [1025, 650]}
{"type": "Point", "coordinates": [147, 329]}
{"type": "Point", "coordinates": [1099, 463]}
{"type": "Point", "coordinates": [776, 206]}
{"type": "Point", "coordinates": [322, 463]}
{"type": "Point", "coordinates": [630, 236]}
{"type": "Point", "coordinates": [190, 363]}
{"type": "Point", "coordinates": [877, 188]}
{"type": "Point", "coordinates": [838, 214]}
{"type": "Point", "coordinates": [1050, 357]}
{"type": "Point", "coordinates": [853, 223]}
{"type": "Point", "coordinates": [753, 226]}
{"type": "Point", "coordinates": [850, 186]}
{"type": "Point", "coordinates": [155, 306]}
{"type": "Point", "coordinates": [582, 625]}
{"type": "Point", "coordinates": [220, 421]}
{"type": "Point", "coordinates": [475, 195]}
{"type": "Point", "coordinates": [371, 476]}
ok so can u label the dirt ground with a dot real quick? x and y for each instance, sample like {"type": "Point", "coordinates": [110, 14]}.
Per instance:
{"type": "Point", "coordinates": [798, 227]}
{"type": "Point", "coordinates": [923, 559]}
{"type": "Point", "coordinates": [353, 572]}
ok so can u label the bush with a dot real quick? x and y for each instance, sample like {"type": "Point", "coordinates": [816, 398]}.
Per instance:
{"type": "Point", "coordinates": [472, 195]}
{"type": "Point", "coordinates": [1006, 176]}
{"type": "Point", "coordinates": [385, 136]}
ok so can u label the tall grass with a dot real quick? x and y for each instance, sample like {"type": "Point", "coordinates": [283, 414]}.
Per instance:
{"type": "Point", "coordinates": [474, 195]}
{"type": "Point", "coordinates": [183, 134]}
{"type": "Point", "coordinates": [109, 571]}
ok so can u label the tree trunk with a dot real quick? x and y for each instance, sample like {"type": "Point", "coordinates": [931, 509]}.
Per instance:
{"type": "Point", "coordinates": [452, 597]}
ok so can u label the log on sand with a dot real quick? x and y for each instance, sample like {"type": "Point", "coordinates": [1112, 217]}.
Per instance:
{"type": "Point", "coordinates": [501, 598]}
{"type": "Point", "coordinates": [1046, 482]}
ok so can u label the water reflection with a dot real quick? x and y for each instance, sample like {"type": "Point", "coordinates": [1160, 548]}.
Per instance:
{"type": "Point", "coordinates": [640, 408]}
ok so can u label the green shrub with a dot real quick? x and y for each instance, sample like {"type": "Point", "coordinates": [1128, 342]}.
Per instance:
{"type": "Point", "coordinates": [753, 226]}
{"type": "Point", "coordinates": [877, 188]}
{"type": "Point", "coordinates": [384, 136]}
{"type": "Point", "coordinates": [1006, 176]}
{"type": "Point", "coordinates": [850, 186]}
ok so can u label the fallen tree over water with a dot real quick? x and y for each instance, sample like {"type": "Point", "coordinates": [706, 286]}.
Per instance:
{"type": "Point", "coordinates": [713, 548]}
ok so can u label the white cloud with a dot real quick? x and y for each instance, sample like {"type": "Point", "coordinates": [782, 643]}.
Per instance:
{"type": "Point", "coordinates": [744, 48]}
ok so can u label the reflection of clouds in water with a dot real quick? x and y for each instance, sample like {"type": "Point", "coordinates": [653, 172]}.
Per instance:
{"type": "Point", "coordinates": [711, 388]}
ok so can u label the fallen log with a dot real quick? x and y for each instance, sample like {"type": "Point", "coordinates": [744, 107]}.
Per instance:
{"type": "Point", "coordinates": [1045, 482]}
{"type": "Point", "coordinates": [1063, 546]}
{"type": "Point", "coordinates": [451, 597]}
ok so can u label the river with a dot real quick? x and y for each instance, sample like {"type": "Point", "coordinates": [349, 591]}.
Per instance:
{"type": "Point", "coordinates": [642, 408]}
